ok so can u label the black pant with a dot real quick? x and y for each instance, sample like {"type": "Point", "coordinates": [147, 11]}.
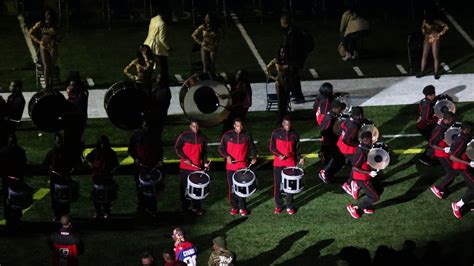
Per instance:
{"type": "Point", "coordinates": [277, 190]}
{"type": "Point", "coordinates": [164, 70]}
{"type": "Point", "coordinates": [294, 82]}
{"type": "Point", "coordinates": [349, 158]}
{"type": "Point", "coordinates": [372, 189]}
{"type": "Point", "coordinates": [350, 40]}
{"type": "Point", "coordinates": [59, 208]}
{"type": "Point", "coordinates": [283, 97]}
{"type": "Point", "coordinates": [448, 178]}
{"type": "Point", "coordinates": [332, 158]}
{"type": "Point", "coordinates": [12, 215]}
{"type": "Point", "coordinates": [468, 175]}
{"type": "Point", "coordinates": [235, 201]}
{"type": "Point", "coordinates": [185, 201]}
{"type": "Point", "coordinates": [144, 202]}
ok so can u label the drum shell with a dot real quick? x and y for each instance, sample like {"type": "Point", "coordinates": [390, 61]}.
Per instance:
{"type": "Point", "coordinates": [66, 192]}
{"type": "Point", "coordinates": [198, 189]}
{"type": "Point", "coordinates": [379, 156]}
{"type": "Point", "coordinates": [452, 133]}
{"type": "Point", "coordinates": [125, 103]}
{"type": "Point", "coordinates": [244, 186]}
{"type": "Point", "coordinates": [292, 184]}
{"type": "Point", "coordinates": [104, 192]}
{"type": "Point", "coordinates": [470, 150]}
{"type": "Point", "coordinates": [46, 109]}
{"type": "Point", "coordinates": [20, 197]}
{"type": "Point", "coordinates": [150, 182]}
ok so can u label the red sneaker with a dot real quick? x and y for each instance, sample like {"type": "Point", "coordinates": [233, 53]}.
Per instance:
{"type": "Point", "coordinates": [243, 212]}
{"type": "Point", "coordinates": [347, 188]}
{"type": "Point", "coordinates": [456, 210]}
{"type": "Point", "coordinates": [277, 211]}
{"type": "Point", "coordinates": [355, 190]}
{"type": "Point", "coordinates": [290, 211]}
{"type": "Point", "coordinates": [369, 211]}
{"type": "Point", "coordinates": [353, 211]}
{"type": "Point", "coordinates": [322, 176]}
{"type": "Point", "coordinates": [437, 192]}
{"type": "Point", "coordinates": [233, 211]}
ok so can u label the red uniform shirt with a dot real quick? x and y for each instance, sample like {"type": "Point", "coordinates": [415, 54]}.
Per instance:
{"type": "Point", "coordinates": [286, 144]}
{"type": "Point", "coordinates": [193, 147]}
{"type": "Point", "coordinates": [320, 107]}
{"type": "Point", "coordinates": [360, 161]}
{"type": "Point", "coordinates": [349, 138]}
{"type": "Point", "coordinates": [427, 117]}
{"type": "Point", "coordinates": [437, 138]}
{"type": "Point", "coordinates": [458, 150]}
{"type": "Point", "coordinates": [237, 146]}
{"type": "Point", "coordinates": [328, 137]}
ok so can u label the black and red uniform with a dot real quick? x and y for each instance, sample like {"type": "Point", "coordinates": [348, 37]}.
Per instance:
{"type": "Point", "coordinates": [349, 140]}
{"type": "Point", "coordinates": [193, 147]}
{"type": "Point", "coordinates": [458, 150]}
{"type": "Point", "coordinates": [238, 146]}
{"type": "Point", "coordinates": [66, 246]}
{"type": "Point", "coordinates": [283, 143]}
{"type": "Point", "coordinates": [437, 139]}
{"type": "Point", "coordinates": [331, 156]}
{"type": "Point", "coordinates": [426, 119]}
{"type": "Point", "coordinates": [370, 185]}
{"type": "Point", "coordinates": [321, 106]}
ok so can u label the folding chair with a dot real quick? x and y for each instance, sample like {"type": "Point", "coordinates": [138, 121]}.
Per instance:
{"type": "Point", "coordinates": [272, 98]}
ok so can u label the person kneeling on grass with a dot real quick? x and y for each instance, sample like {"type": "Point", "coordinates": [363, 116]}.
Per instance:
{"type": "Point", "coordinates": [364, 175]}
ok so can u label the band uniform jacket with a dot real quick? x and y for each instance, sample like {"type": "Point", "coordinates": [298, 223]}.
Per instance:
{"type": "Point", "coordinates": [286, 144]}
{"type": "Point", "coordinates": [193, 147]}
{"type": "Point", "coordinates": [237, 146]}
{"type": "Point", "coordinates": [66, 247]}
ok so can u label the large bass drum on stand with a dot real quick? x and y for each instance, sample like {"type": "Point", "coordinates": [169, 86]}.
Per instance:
{"type": "Point", "coordinates": [46, 109]}
{"type": "Point", "coordinates": [205, 99]}
{"type": "Point", "coordinates": [124, 103]}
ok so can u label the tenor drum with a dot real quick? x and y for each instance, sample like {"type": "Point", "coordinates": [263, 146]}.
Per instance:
{"type": "Point", "coordinates": [343, 98]}
{"type": "Point", "coordinates": [452, 133]}
{"type": "Point", "coordinates": [378, 157]}
{"type": "Point", "coordinates": [205, 99]}
{"type": "Point", "coordinates": [124, 103]}
{"type": "Point", "coordinates": [105, 191]}
{"type": "Point", "coordinates": [244, 183]}
{"type": "Point", "coordinates": [46, 109]}
{"type": "Point", "coordinates": [444, 104]}
{"type": "Point", "coordinates": [292, 180]}
{"type": "Point", "coordinates": [198, 185]}
{"type": "Point", "coordinates": [149, 182]}
{"type": "Point", "coordinates": [470, 150]}
{"type": "Point", "coordinates": [20, 196]}
{"type": "Point", "coordinates": [66, 191]}
{"type": "Point", "coordinates": [368, 125]}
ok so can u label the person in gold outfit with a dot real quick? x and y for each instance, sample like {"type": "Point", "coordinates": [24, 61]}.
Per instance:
{"type": "Point", "coordinates": [143, 66]}
{"type": "Point", "coordinates": [45, 34]}
{"type": "Point", "coordinates": [208, 36]}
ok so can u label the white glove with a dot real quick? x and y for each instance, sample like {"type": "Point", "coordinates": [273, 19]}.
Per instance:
{"type": "Point", "coordinates": [446, 149]}
{"type": "Point", "coordinates": [373, 173]}
{"type": "Point", "coordinates": [471, 164]}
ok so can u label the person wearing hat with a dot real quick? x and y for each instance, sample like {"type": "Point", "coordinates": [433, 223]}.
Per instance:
{"type": "Point", "coordinates": [427, 121]}
{"type": "Point", "coordinates": [220, 255]}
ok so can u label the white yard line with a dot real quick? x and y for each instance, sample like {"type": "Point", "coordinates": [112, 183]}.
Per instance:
{"type": "Point", "coordinates": [446, 67]}
{"type": "Point", "coordinates": [29, 43]}
{"type": "Point", "coordinates": [358, 71]}
{"type": "Point", "coordinates": [314, 73]}
{"type": "Point", "coordinates": [457, 26]}
{"type": "Point", "coordinates": [249, 41]}
{"type": "Point", "coordinates": [402, 69]}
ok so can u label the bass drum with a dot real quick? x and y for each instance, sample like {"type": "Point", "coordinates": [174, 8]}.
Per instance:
{"type": "Point", "coordinates": [124, 103]}
{"type": "Point", "coordinates": [46, 109]}
{"type": "Point", "coordinates": [205, 99]}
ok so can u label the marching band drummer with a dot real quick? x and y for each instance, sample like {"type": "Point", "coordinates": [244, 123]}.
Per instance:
{"type": "Point", "coordinates": [284, 144]}
{"type": "Point", "coordinates": [427, 121]}
{"type": "Point", "coordinates": [322, 103]}
{"type": "Point", "coordinates": [191, 148]}
{"type": "Point", "coordinates": [103, 161]}
{"type": "Point", "coordinates": [363, 175]}
{"type": "Point", "coordinates": [235, 147]}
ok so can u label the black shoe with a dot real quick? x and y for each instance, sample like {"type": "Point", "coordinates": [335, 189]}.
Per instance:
{"type": "Point", "coordinates": [299, 101]}
{"type": "Point", "coordinates": [420, 75]}
{"type": "Point", "coordinates": [425, 161]}
{"type": "Point", "coordinates": [437, 75]}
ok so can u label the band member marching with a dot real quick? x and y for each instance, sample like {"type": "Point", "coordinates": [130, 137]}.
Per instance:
{"type": "Point", "coordinates": [363, 175]}
{"type": "Point", "coordinates": [236, 146]}
{"type": "Point", "coordinates": [103, 161]}
{"type": "Point", "coordinates": [441, 151]}
{"type": "Point", "coordinates": [330, 155]}
{"type": "Point", "coordinates": [427, 121]}
{"type": "Point", "coordinates": [322, 103]}
{"type": "Point", "coordinates": [463, 166]}
{"type": "Point", "coordinates": [284, 144]}
{"type": "Point", "coordinates": [191, 148]}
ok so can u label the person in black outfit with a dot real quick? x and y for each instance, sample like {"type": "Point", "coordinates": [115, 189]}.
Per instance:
{"type": "Point", "coordinates": [78, 96]}
{"type": "Point", "coordinates": [4, 126]}
{"type": "Point", "coordinates": [241, 93]}
{"type": "Point", "coordinates": [331, 157]}
{"type": "Point", "coordinates": [103, 161]}
{"type": "Point", "coordinates": [322, 102]}
{"type": "Point", "coordinates": [147, 153]}
{"type": "Point", "coordinates": [16, 104]}
{"type": "Point", "coordinates": [13, 164]}
{"type": "Point", "coordinates": [427, 121]}
{"type": "Point", "coordinates": [66, 245]}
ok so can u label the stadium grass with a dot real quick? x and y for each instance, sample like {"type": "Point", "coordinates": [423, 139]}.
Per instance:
{"type": "Point", "coordinates": [407, 209]}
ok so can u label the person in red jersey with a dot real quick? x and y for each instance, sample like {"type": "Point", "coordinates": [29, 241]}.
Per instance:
{"type": "Point", "coordinates": [284, 144]}
{"type": "Point", "coordinates": [235, 147]}
{"type": "Point", "coordinates": [184, 250]}
{"type": "Point", "coordinates": [191, 148]}
{"type": "Point", "coordinates": [66, 245]}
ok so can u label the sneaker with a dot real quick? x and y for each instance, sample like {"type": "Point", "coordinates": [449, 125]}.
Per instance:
{"type": "Point", "coordinates": [198, 212]}
{"type": "Point", "coordinates": [233, 211]}
{"type": "Point", "coordinates": [355, 190]}
{"type": "Point", "coordinates": [369, 211]}
{"type": "Point", "coordinates": [322, 176]}
{"type": "Point", "coordinates": [424, 161]}
{"type": "Point", "coordinates": [243, 212]}
{"type": "Point", "coordinates": [277, 211]}
{"type": "Point", "coordinates": [347, 188]}
{"type": "Point", "coordinates": [437, 192]}
{"type": "Point", "coordinates": [353, 211]}
{"type": "Point", "coordinates": [437, 75]}
{"type": "Point", "coordinates": [456, 210]}
{"type": "Point", "coordinates": [290, 211]}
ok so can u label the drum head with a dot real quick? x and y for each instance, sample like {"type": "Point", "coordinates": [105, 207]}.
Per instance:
{"type": "Point", "coordinates": [293, 171]}
{"type": "Point", "coordinates": [124, 103]}
{"type": "Point", "coordinates": [199, 178]}
{"type": "Point", "coordinates": [452, 133]}
{"type": "Point", "coordinates": [244, 176]}
{"type": "Point", "coordinates": [46, 109]}
{"type": "Point", "coordinates": [470, 150]}
{"type": "Point", "coordinates": [378, 158]}
{"type": "Point", "coordinates": [154, 176]}
{"type": "Point", "coordinates": [443, 106]}
{"type": "Point", "coordinates": [370, 128]}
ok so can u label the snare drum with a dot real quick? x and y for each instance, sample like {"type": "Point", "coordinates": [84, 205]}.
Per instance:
{"type": "Point", "coordinates": [20, 196]}
{"type": "Point", "coordinates": [104, 192]}
{"type": "Point", "coordinates": [149, 182]}
{"type": "Point", "coordinates": [46, 109]}
{"type": "Point", "coordinates": [368, 126]}
{"type": "Point", "coordinates": [452, 133]}
{"type": "Point", "coordinates": [66, 192]}
{"type": "Point", "coordinates": [292, 180]}
{"type": "Point", "coordinates": [198, 185]}
{"type": "Point", "coordinates": [244, 183]}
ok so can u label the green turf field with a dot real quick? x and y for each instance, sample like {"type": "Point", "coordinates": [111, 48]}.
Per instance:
{"type": "Point", "coordinates": [407, 209]}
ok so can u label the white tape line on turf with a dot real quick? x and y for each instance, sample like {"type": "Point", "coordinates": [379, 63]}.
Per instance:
{"type": "Point", "coordinates": [446, 67]}
{"type": "Point", "coordinates": [314, 73]}
{"type": "Point", "coordinates": [358, 71]}
{"type": "Point", "coordinates": [402, 69]}
{"type": "Point", "coordinates": [457, 26]}
{"type": "Point", "coordinates": [29, 43]}
{"type": "Point", "coordinates": [249, 41]}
